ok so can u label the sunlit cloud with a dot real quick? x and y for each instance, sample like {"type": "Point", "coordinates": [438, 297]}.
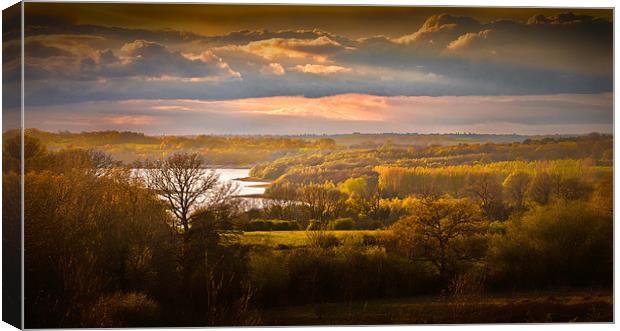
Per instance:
{"type": "Point", "coordinates": [443, 71]}
{"type": "Point", "coordinates": [319, 69]}
{"type": "Point", "coordinates": [273, 69]}
{"type": "Point", "coordinates": [469, 40]}
{"type": "Point", "coordinates": [446, 55]}
{"type": "Point", "coordinates": [129, 120]}
{"type": "Point", "coordinates": [173, 108]}
{"type": "Point", "coordinates": [438, 30]}
{"type": "Point", "coordinates": [317, 49]}
{"type": "Point", "coordinates": [533, 114]}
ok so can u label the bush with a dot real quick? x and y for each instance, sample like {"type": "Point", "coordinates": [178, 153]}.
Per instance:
{"type": "Point", "coordinates": [280, 225]}
{"type": "Point", "coordinates": [341, 224]}
{"type": "Point", "coordinates": [360, 240]}
{"type": "Point", "coordinates": [564, 243]}
{"type": "Point", "coordinates": [122, 310]}
{"type": "Point", "coordinates": [314, 275]}
{"type": "Point", "coordinates": [322, 239]}
{"type": "Point", "coordinates": [271, 225]}
{"type": "Point", "coordinates": [368, 224]}
{"type": "Point", "coordinates": [314, 225]}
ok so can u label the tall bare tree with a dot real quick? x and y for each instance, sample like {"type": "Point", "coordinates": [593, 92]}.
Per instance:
{"type": "Point", "coordinates": [199, 203]}
{"type": "Point", "coordinates": [185, 183]}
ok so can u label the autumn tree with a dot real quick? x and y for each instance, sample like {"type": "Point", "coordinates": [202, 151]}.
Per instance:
{"type": "Point", "coordinates": [364, 195]}
{"type": "Point", "coordinates": [515, 187]}
{"type": "Point", "coordinates": [603, 196]}
{"type": "Point", "coordinates": [92, 238]}
{"type": "Point", "coordinates": [486, 189]}
{"type": "Point", "coordinates": [540, 189]}
{"type": "Point", "coordinates": [574, 189]}
{"type": "Point", "coordinates": [439, 231]}
{"type": "Point", "coordinates": [563, 242]}
{"type": "Point", "coordinates": [280, 202]}
{"type": "Point", "coordinates": [322, 201]}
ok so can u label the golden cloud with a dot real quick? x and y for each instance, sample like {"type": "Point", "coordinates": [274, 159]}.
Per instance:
{"type": "Point", "coordinates": [129, 120]}
{"type": "Point", "coordinates": [319, 69]}
{"type": "Point", "coordinates": [279, 48]}
{"type": "Point", "coordinates": [273, 69]}
{"type": "Point", "coordinates": [468, 40]}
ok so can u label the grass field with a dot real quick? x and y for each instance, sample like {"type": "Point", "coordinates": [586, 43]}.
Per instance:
{"type": "Point", "coordinates": [294, 239]}
{"type": "Point", "coordinates": [537, 307]}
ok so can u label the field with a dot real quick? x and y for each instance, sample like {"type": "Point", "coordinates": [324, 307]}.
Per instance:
{"type": "Point", "coordinates": [296, 239]}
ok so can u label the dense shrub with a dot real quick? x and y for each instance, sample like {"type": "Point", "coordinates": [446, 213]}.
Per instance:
{"type": "Point", "coordinates": [314, 225]}
{"type": "Point", "coordinates": [348, 273]}
{"type": "Point", "coordinates": [322, 239]}
{"type": "Point", "coordinates": [346, 223]}
{"type": "Point", "coordinates": [368, 224]}
{"type": "Point", "coordinates": [271, 225]}
{"type": "Point", "coordinates": [564, 243]}
{"type": "Point", "coordinates": [123, 310]}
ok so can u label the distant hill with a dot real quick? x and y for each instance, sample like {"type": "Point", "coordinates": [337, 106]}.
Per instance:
{"type": "Point", "coordinates": [248, 150]}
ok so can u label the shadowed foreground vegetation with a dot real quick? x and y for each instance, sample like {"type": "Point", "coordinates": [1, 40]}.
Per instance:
{"type": "Point", "coordinates": [519, 308]}
{"type": "Point", "coordinates": [458, 233]}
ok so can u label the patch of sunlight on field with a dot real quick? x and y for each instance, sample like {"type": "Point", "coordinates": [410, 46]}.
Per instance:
{"type": "Point", "coordinates": [296, 238]}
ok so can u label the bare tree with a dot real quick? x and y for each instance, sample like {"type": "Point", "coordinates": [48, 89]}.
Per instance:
{"type": "Point", "coordinates": [200, 205]}
{"type": "Point", "coordinates": [185, 183]}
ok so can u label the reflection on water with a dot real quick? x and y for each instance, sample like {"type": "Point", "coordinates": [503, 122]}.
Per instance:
{"type": "Point", "coordinates": [245, 188]}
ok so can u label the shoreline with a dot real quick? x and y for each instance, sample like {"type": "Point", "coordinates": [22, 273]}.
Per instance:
{"type": "Point", "coordinates": [252, 179]}
{"type": "Point", "coordinates": [252, 196]}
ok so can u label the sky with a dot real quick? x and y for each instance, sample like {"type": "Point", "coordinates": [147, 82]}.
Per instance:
{"type": "Point", "coordinates": [232, 69]}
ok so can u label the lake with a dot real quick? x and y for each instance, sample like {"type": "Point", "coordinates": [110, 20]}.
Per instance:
{"type": "Point", "coordinates": [245, 187]}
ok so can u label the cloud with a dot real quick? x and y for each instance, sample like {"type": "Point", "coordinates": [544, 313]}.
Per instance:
{"type": "Point", "coordinates": [563, 18]}
{"type": "Point", "coordinates": [446, 55]}
{"type": "Point", "coordinates": [244, 37]}
{"type": "Point", "coordinates": [129, 120]}
{"type": "Point", "coordinates": [533, 114]}
{"type": "Point", "coordinates": [471, 39]}
{"type": "Point", "coordinates": [150, 59]}
{"type": "Point", "coordinates": [438, 30]}
{"type": "Point", "coordinates": [319, 69]}
{"type": "Point", "coordinates": [39, 49]}
{"type": "Point", "coordinates": [280, 48]}
{"type": "Point", "coordinates": [565, 42]}
{"type": "Point", "coordinates": [351, 107]}
{"type": "Point", "coordinates": [273, 69]}
{"type": "Point", "coordinates": [140, 58]}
